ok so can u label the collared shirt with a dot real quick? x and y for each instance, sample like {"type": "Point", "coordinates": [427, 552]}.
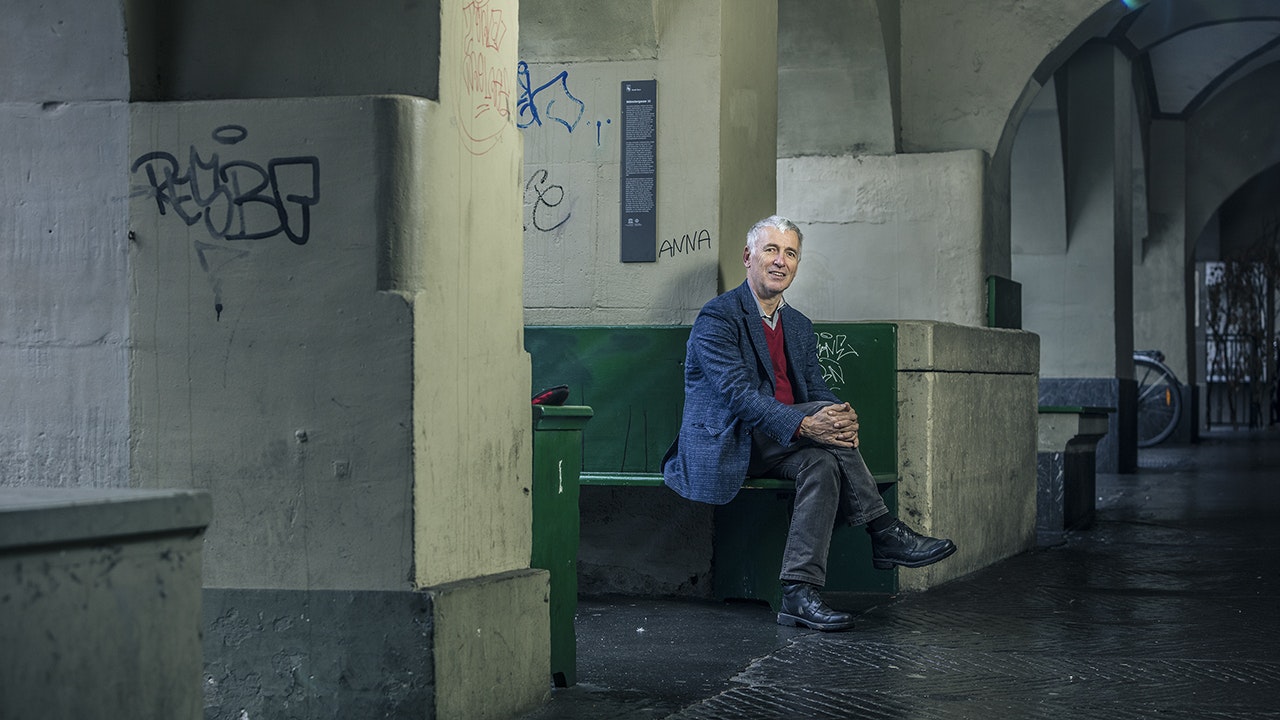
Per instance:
{"type": "Point", "coordinates": [771, 320]}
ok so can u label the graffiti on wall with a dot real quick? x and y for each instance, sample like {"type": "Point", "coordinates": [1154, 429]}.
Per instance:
{"type": "Point", "coordinates": [831, 350]}
{"type": "Point", "coordinates": [552, 101]}
{"type": "Point", "coordinates": [235, 199]}
{"type": "Point", "coordinates": [231, 199]}
{"type": "Point", "coordinates": [545, 198]}
{"type": "Point", "coordinates": [484, 103]}
{"type": "Point", "coordinates": [686, 244]}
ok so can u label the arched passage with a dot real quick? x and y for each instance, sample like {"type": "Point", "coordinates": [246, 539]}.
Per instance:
{"type": "Point", "coordinates": [1201, 126]}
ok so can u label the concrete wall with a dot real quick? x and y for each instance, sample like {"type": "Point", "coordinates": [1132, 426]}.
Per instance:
{"type": "Point", "coordinates": [949, 77]}
{"type": "Point", "coordinates": [716, 115]}
{"type": "Point", "coordinates": [1229, 140]}
{"type": "Point", "coordinates": [834, 93]}
{"type": "Point", "coordinates": [965, 65]}
{"type": "Point", "coordinates": [888, 237]}
{"type": "Point", "coordinates": [967, 464]}
{"type": "Point", "coordinates": [63, 252]}
{"type": "Point", "coordinates": [1163, 296]}
{"type": "Point", "coordinates": [267, 363]}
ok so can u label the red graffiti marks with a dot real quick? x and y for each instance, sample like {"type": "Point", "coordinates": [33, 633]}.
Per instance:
{"type": "Point", "coordinates": [484, 102]}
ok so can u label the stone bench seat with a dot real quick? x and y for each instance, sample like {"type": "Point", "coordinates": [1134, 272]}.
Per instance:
{"type": "Point", "coordinates": [1066, 468]}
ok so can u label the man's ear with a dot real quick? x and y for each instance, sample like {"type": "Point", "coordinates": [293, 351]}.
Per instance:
{"type": "Point", "coordinates": [746, 256]}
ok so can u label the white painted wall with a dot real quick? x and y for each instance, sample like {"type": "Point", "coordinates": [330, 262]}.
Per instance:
{"type": "Point", "coordinates": [1072, 248]}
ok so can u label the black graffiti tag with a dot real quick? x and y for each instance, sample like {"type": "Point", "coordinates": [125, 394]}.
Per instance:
{"type": "Point", "coordinates": [548, 197]}
{"type": "Point", "coordinates": [237, 200]}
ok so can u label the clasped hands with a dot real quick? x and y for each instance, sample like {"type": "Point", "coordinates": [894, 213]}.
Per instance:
{"type": "Point", "coordinates": [832, 425]}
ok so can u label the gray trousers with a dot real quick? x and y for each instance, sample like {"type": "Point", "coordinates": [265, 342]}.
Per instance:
{"type": "Point", "coordinates": [833, 485]}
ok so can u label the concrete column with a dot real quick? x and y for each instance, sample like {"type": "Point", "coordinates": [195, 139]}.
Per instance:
{"type": "Point", "coordinates": [835, 64]}
{"type": "Point", "coordinates": [1164, 278]}
{"type": "Point", "coordinates": [1092, 310]}
{"type": "Point", "coordinates": [327, 325]}
{"type": "Point", "coordinates": [63, 250]}
{"type": "Point", "coordinates": [472, 425]}
{"type": "Point", "coordinates": [748, 125]}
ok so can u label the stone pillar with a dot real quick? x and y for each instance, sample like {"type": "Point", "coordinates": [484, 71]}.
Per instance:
{"type": "Point", "coordinates": [472, 431]}
{"type": "Point", "coordinates": [1164, 274]}
{"type": "Point", "coordinates": [326, 317]}
{"type": "Point", "coordinates": [1090, 311]}
{"type": "Point", "coordinates": [748, 126]}
{"type": "Point", "coordinates": [64, 320]}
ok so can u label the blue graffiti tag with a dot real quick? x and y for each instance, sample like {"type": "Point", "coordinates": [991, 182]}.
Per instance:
{"type": "Point", "coordinates": [557, 103]}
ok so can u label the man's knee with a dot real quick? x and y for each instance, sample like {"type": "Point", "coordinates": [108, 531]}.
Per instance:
{"type": "Point", "coordinates": [820, 472]}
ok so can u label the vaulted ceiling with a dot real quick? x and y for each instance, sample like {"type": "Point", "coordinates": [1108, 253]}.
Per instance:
{"type": "Point", "coordinates": [1190, 50]}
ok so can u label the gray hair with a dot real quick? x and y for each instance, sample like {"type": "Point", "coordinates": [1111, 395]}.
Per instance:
{"type": "Point", "coordinates": [777, 222]}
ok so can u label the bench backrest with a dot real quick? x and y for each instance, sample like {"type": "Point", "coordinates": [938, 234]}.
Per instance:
{"type": "Point", "coordinates": [632, 377]}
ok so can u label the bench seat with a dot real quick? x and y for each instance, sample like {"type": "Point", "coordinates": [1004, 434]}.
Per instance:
{"type": "Point", "coordinates": [655, 480]}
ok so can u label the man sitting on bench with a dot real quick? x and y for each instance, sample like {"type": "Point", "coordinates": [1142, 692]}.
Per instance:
{"type": "Point", "coordinates": [756, 405]}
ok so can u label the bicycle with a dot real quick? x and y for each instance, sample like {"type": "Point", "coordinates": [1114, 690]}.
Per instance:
{"type": "Point", "coordinates": [1159, 398]}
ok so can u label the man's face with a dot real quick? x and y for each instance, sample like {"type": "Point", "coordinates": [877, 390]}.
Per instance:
{"type": "Point", "coordinates": [771, 266]}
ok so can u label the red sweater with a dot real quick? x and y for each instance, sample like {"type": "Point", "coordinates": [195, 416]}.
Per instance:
{"type": "Point", "coordinates": [778, 355]}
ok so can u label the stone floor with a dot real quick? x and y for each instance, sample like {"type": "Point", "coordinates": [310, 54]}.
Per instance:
{"type": "Point", "coordinates": [1169, 607]}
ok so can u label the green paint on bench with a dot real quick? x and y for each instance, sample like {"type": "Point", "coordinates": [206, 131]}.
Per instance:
{"type": "Point", "coordinates": [655, 480]}
{"type": "Point", "coordinates": [632, 377]}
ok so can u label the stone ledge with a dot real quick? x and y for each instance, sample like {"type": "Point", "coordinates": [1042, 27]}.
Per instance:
{"type": "Point", "coordinates": [927, 346]}
{"type": "Point", "coordinates": [33, 516]}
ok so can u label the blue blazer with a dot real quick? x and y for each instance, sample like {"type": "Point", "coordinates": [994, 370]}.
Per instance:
{"type": "Point", "coordinates": [728, 393]}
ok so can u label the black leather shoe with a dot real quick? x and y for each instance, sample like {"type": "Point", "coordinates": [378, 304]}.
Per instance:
{"type": "Point", "coordinates": [803, 607]}
{"type": "Point", "coordinates": [900, 545]}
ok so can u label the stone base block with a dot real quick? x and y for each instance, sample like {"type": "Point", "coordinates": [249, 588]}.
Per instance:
{"type": "Point", "coordinates": [317, 654]}
{"type": "Point", "coordinates": [492, 640]}
{"type": "Point", "coordinates": [967, 448]}
{"type": "Point", "coordinates": [100, 603]}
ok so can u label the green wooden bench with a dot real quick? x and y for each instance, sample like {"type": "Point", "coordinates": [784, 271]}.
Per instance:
{"type": "Point", "coordinates": [624, 408]}
{"type": "Point", "coordinates": [632, 378]}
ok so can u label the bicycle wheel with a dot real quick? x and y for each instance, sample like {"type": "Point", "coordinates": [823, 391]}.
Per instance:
{"type": "Point", "coordinates": [1159, 401]}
